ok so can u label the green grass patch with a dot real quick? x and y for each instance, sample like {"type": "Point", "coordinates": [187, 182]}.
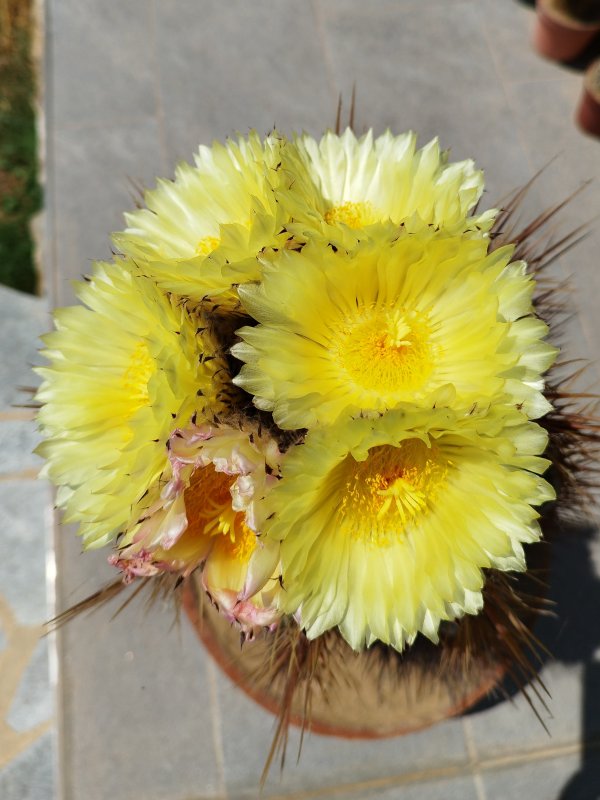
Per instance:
{"type": "Point", "coordinates": [20, 193]}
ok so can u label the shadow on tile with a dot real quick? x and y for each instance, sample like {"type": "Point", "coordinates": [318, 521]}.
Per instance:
{"type": "Point", "coordinates": [585, 783]}
{"type": "Point", "coordinates": [568, 633]}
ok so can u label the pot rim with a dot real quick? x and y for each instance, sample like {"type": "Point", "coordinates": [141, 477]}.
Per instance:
{"type": "Point", "coordinates": [546, 8]}
{"type": "Point", "coordinates": [204, 631]}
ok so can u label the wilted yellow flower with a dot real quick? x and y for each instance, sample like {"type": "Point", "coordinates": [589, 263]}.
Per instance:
{"type": "Point", "coordinates": [201, 513]}
{"type": "Point", "coordinates": [124, 372]}
{"type": "Point", "coordinates": [391, 322]}
{"type": "Point", "coordinates": [387, 523]}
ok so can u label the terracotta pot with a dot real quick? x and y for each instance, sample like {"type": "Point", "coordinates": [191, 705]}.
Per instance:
{"type": "Point", "coordinates": [588, 111]}
{"type": "Point", "coordinates": [375, 694]}
{"type": "Point", "coordinates": [559, 36]}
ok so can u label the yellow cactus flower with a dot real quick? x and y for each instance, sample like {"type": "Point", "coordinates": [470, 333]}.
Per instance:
{"type": "Point", "coordinates": [124, 372]}
{"type": "Point", "coordinates": [386, 524]}
{"type": "Point", "coordinates": [218, 212]}
{"type": "Point", "coordinates": [391, 322]}
{"type": "Point", "coordinates": [342, 180]}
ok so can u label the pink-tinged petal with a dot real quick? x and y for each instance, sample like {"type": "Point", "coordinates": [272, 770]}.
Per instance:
{"type": "Point", "coordinates": [225, 600]}
{"type": "Point", "coordinates": [178, 480]}
{"type": "Point", "coordinates": [164, 522]}
{"type": "Point", "coordinates": [248, 615]}
{"type": "Point", "coordinates": [138, 566]}
{"type": "Point", "coordinates": [261, 568]}
{"type": "Point", "coordinates": [180, 543]}
{"type": "Point", "coordinates": [173, 524]}
{"type": "Point", "coordinates": [242, 492]}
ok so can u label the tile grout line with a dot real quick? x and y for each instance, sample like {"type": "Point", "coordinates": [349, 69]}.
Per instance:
{"type": "Point", "coordinates": [25, 415]}
{"type": "Point", "coordinates": [408, 779]}
{"type": "Point", "coordinates": [21, 475]}
{"type": "Point", "coordinates": [461, 769]}
{"type": "Point", "coordinates": [217, 727]}
{"type": "Point", "coordinates": [473, 760]}
{"type": "Point", "coordinates": [509, 760]}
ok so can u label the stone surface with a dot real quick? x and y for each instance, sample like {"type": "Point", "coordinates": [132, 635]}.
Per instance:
{"type": "Point", "coordinates": [462, 788]}
{"type": "Point", "coordinates": [556, 778]}
{"type": "Point", "coordinates": [105, 76]}
{"type": "Point", "coordinates": [31, 775]}
{"type": "Point", "coordinates": [33, 703]}
{"type": "Point", "coordinates": [545, 111]}
{"type": "Point", "coordinates": [18, 439]}
{"type": "Point", "coordinates": [142, 679]}
{"type": "Point", "coordinates": [508, 28]}
{"type": "Point", "coordinates": [94, 178]}
{"type": "Point", "coordinates": [24, 318]}
{"type": "Point", "coordinates": [382, 49]}
{"type": "Point", "coordinates": [325, 761]}
{"type": "Point", "coordinates": [131, 89]}
{"type": "Point", "coordinates": [572, 675]}
{"type": "Point", "coordinates": [239, 66]}
{"type": "Point", "coordinates": [24, 519]}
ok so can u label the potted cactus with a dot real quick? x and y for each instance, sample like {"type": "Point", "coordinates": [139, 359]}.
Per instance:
{"type": "Point", "coordinates": [564, 28]}
{"type": "Point", "coordinates": [588, 111]}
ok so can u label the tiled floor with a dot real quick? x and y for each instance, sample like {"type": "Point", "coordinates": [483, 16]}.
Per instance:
{"type": "Point", "coordinates": [27, 713]}
{"type": "Point", "coordinates": [130, 89]}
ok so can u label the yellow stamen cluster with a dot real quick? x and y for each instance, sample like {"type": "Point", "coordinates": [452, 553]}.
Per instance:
{"type": "Point", "coordinates": [208, 508]}
{"type": "Point", "coordinates": [137, 375]}
{"type": "Point", "coordinates": [386, 347]}
{"type": "Point", "coordinates": [381, 495]}
{"type": "Point", "coordinates": [354, 215]}
{"type": "Point", "coordinates": [206, 245]}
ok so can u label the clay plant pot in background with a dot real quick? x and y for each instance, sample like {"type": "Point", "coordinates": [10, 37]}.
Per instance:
{"type": "Point", "coordinates": [564, 28]}
{"type": "Point", "coordinates": [588, 111]}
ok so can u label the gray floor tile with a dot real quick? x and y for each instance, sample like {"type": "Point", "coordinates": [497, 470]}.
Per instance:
{"type": "Point", "coordinates": [105, 76]}
{"type": "Point", "coordinates": [566, 778]}
{"type": "Point", "coordinates": [142, 680]}
{"type": "Point", "coordinates": [31, 775]}
{"type": "Point", "coordinates": [24, 517]}
{"type": "Point", "coordinates": [509, 27]}
{"type": "Point", "coordinates": [462, 788]}
{"type": "Point", "coordinates": [545, 112]}
{"type": "Point", "coordinates": [240, 65]}
{"type": "Point", "coordinates": [18, 439]}
{"type": "Point", "coordinates": [92, 172]}
{"type": "Point", "coordinates": [434, 67]}
{"type": "Point", "coordinates": [34, 703]}
{"type": "Point", "coordinates": [24, 318]}
{"type": "Point", "coordinates": [325, 761]}
{"type": "Point", "coordinates": [573, 678]}
{"type": "Point", "coordinates": [458, 95]}
{"type": "Point", "coordinates": [513, 727]}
